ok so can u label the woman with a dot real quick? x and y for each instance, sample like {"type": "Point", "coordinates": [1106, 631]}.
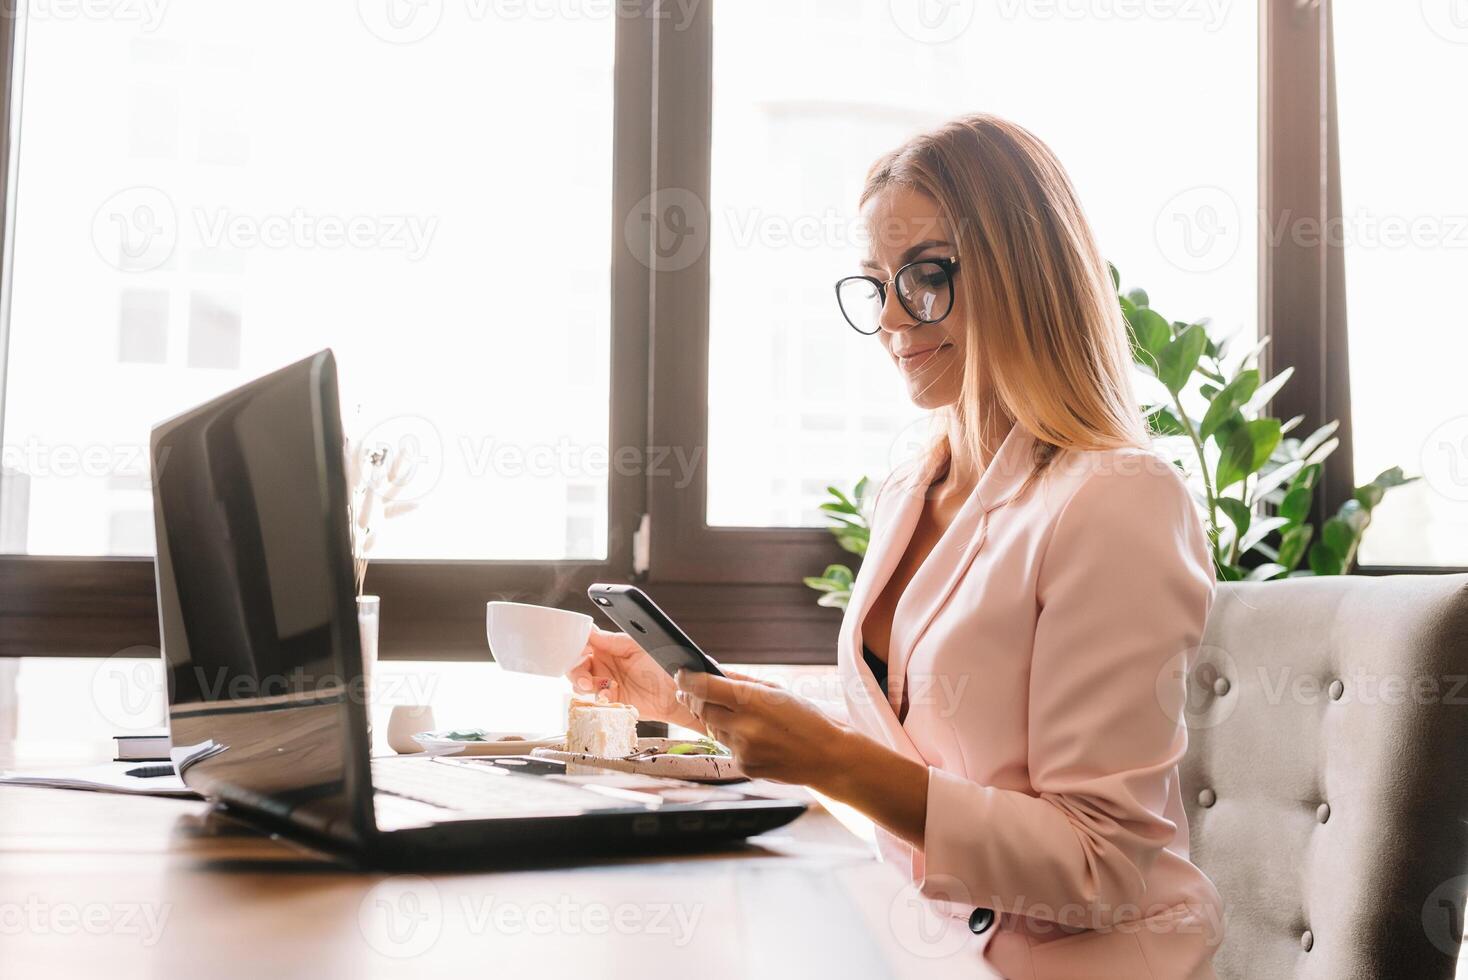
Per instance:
{"type": "Point", "coordinates": [1012, 657]}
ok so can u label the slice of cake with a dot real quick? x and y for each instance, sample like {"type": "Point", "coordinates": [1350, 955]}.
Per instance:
{"type": "Point", "coordinates": [601, 727]}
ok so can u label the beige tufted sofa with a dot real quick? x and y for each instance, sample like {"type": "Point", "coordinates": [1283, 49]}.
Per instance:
{"type": "Point", "coordinates": [1326, 778]}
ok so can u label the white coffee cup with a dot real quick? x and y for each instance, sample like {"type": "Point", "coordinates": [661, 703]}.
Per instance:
{"type": "Point", "coordinates": [535, 639]}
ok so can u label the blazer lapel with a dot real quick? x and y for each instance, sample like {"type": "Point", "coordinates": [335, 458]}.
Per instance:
{"type": "Point", "coordinates": [949, 561]}
{"type": "Point", "coordinates": [898, 509]}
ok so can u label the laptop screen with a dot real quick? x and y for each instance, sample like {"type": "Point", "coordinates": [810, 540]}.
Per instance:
{"type": "Point", "coordinates": [256, 609]}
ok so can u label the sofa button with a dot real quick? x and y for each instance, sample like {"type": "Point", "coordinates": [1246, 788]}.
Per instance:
{"type": "Point", "coordinates": [980, 920]}
{"type": "Point", "coordinates": [1322, 812]}
{"type": "Point", "coordinates": [1207, 797]}
{"type": "Point", "coordinates": [1220, 686]}
{"type": "Point", "coordinates": [1307, 939]}
{"type": "Point", "coordinates": [1336, 690]}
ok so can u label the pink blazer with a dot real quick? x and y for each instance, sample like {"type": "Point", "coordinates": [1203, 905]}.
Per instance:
{"type": "Point", "coordinates": [1040, 651]}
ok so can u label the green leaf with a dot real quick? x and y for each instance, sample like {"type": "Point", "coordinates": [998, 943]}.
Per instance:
{"type": "Point", "coordinates": [1372, 493]}
{"type": "Point", "coordinates": [1317, 438]}
{"type": "Point", "coordinates": [1324, 560]}
{"type": "Point", "coordinates": [1115, 276]}
{"type": "Point", "coordinates": [1138, 297]}
{"type": "Point", "coordinates": [839, 573]}
{"type": "Point", "coordinates": [1369, 495]}
{"type": "Point", "coordinates": [853, 539]}
{"type": "Point", "coordinates": [1307, 477]}
{"type": "Point", "coordinates": [1254, 352]}
{"type": "Point", "coordinates": [1393, 477]}
{"type": "Point", "coordinates": [1218, 349]}
{"type": "Point", "coordinates": [1176, 361]}
{"type": "Point", "coordinates": [1264, 572]}
{"type": "Point", "coordinates": [1296, 504]}
{"type": "Point", "coordinates": [834, 600]}
{"type": "Point", "coordinates": [1262, 528]}
{"type": "Point", "coordinates": [1272, 478]}
{"type": "Point", "coordinates": [1325, 449]}
{"type": "Point", "coordinates": [1163, 422]}
{"type": "Point", "coordinates": [1292, 545]}
{"type": "Point", "coordinates": [1150, 335]}
{"type": "Point", "coordinates": [1267, 391]}
{"type": "Point", "coordinates": [1343, 532]}
{"type": "Point", "coordinates": [1227, 428]}
{"type": "Point", "coordinates": [1230, 573]}
{"type": "Point", "coordinates": [1338, 536]}
{"type": "Point", "coordinates": [1355, 515]}
{"type": "Point", "coordinates": [1237, 512]}
{"type": "Point", "coordinates": [1248, 448]}
{"type": "Point", "coordinates": [842, 503]}
{"type": "Point", "coordinates": [1228, 401]}
{"type": "Point", "coordinates": [821, 584]}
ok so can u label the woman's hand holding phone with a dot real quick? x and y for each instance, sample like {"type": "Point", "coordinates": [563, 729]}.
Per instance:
{"type": "Point", "coordinates": [614, 663]}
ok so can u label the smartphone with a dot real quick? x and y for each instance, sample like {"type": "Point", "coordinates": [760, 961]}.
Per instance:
{"type": "Point", "coordinates": [654, 630]}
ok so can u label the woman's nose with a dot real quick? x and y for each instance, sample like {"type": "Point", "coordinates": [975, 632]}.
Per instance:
{"type": "Point", "coordinates": [894, 318]}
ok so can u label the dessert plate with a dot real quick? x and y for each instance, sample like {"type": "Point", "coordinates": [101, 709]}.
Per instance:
{"type": "Point", "coordinates": [649, 760]}
{"type": "Point", "coordinates": [490, 743]}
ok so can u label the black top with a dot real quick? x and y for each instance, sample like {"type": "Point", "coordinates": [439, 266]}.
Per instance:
{"type": "Point", "coordinates": [877, 665]}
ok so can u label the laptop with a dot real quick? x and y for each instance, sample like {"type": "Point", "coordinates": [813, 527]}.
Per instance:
{"type": "Point", "coordinates": [266, 702]}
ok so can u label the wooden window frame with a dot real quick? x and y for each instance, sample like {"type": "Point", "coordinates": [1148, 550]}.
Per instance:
{"type": "Point", "coordinates": [1302, 290]}
{"type": "Point", "coordinates": [1303, 277]}
{"type": "Point", "coordinates": [64, 606]}
{"type": "Point", "coordinates": [756, 612]}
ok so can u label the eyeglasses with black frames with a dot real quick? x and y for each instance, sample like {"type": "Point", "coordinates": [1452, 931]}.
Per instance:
{"type": "Point", "coordinates": [924, 288]}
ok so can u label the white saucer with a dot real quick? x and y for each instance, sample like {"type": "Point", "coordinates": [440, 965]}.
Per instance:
{"type": "Point", "coordinates": [435, 743]}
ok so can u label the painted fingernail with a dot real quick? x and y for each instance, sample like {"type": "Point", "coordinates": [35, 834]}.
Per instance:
{"type": "Point", "coordinates": [682, 697]}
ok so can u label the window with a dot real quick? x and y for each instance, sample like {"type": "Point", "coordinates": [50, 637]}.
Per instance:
{"type": "Point", "coordinates": [1167, 173]}
{"type": "Point", "coordinates": [1405, 235]}
{"type": "Point", "coordinates": [207, 191]}
{"type": "Point", "coordinates": [543, 236]}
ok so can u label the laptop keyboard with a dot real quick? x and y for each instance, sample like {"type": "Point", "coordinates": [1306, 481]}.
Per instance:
{"type": "Point", "coordinates": [487, 789]}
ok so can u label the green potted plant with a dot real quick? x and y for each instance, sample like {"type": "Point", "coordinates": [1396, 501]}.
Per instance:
{"type": "Point", "coordinates": [852, 529]}
{"type": "Point", "coordinates": [1253, 478]}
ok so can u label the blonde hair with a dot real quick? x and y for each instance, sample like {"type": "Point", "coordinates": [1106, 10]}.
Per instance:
{"type": "Point", "coordinates": [1047, 347]}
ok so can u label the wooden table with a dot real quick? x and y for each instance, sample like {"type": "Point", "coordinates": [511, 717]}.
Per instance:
{"type": "Point", "coordinates": [114, 886]}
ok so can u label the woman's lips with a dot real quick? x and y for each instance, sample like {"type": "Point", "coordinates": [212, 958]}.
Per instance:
{"type": "Point", "coordinates": [921, 355]}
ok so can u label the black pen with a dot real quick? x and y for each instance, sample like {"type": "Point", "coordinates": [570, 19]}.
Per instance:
{"type": "Point", "coordinates": [144, 772]}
